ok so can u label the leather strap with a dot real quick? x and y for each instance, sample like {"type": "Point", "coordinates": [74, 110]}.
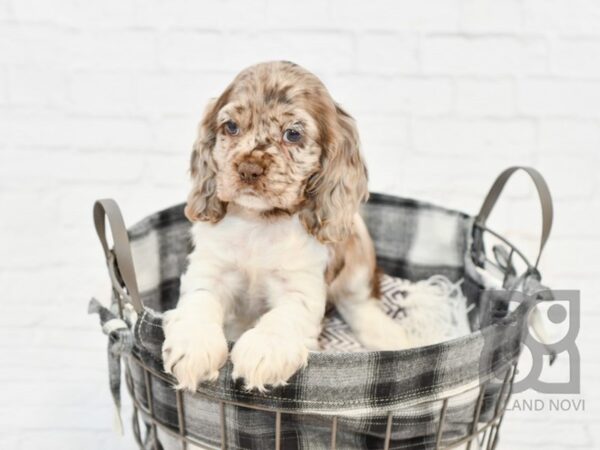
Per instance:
{"type": "Point", "coordinates": [543, 193]}
{"type": "Point", "coordinates": [121, 252]}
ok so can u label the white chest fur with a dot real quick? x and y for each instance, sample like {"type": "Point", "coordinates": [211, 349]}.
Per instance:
{"type": "Point", "coordinates": [250, 262]}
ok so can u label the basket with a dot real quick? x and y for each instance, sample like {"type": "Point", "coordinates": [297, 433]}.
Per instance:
{"type": "Point", "coordinates": [449, 395]}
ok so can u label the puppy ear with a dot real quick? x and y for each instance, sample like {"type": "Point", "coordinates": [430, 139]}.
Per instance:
{"type": "Point", "coordinates": [335, 193]}
{"type": "Point", "coordinates": [202, 202]}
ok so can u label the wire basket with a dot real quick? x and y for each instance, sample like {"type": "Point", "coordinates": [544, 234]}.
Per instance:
{"type": "Point", "coordinates": [443, 396]}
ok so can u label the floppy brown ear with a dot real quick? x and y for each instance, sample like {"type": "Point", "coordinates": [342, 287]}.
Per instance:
{"type": "Point", "coordinates": [335, 192]}
{"type": "Point", "coordinates": [202, 202]}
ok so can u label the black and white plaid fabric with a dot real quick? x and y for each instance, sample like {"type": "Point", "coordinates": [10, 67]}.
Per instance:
{"type": "Point", "coordinates": [413, 241]}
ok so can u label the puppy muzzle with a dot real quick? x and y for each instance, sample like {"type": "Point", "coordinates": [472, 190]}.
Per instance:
{"type": "Point", "coordinates": [249, 172]}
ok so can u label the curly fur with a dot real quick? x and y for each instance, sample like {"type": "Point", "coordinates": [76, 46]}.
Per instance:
{"type": "Point", "coordinates": [203, 203]}
{"type": "Point", "coordinates": [276, 233]}
{"type": "Point", "coordinates": [336, 191]}
{"type": "Point", "coordinates": [327, 172]}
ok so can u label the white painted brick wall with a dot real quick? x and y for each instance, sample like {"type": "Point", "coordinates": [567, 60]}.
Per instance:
{"type": "Point", "coordinates": [101, 99]}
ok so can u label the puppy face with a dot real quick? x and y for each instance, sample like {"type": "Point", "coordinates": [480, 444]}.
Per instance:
{"type": "Point", "coordinates": [267, 142]}
{"type": "Point", "coordinates": [275, 141]}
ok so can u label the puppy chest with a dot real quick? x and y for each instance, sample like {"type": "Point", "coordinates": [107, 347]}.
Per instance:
{"type": "Point", "coordinates": [263, 248]}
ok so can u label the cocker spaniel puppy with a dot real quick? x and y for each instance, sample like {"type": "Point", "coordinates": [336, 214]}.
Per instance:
{"type": "Point", "coordinates": [278, 179]}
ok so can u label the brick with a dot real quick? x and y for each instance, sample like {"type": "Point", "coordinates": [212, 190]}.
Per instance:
{"type": "Point", "coordinates": [579, 17]}
{"type": "Point", "coordinates": [570, 177]}
{"type": "Point", "coordinates": [477, 138]}
{"type": "Point", "coordinates": [42, 417]}
{"type": "Point", "coordinates": [569, 136]}
{"type": "Point", "coordinates": [563, 259]}
{"type": "Point", "coordinates": [489, 16]}
{"type": "Point", "coordinates": [113, 49]}
{"type": "Point", "coordinates": [476, 97]}
{"type": "Point", "coordinates": [387, 53]}
{"type": "Point", "coordinates": [57, 364]}
{"type": "Point", "coordinates": [29, 217]}
{"type": "Point", "coordinates": [72, 439]}
{"type": "Point", "coordinates": [111, 133]}
{"type": "Point", "coordinates": [588, 336]}
{"type": "Point", "coordinates": [22, 317]}
{"type": "Point", "coordinates": [56, 272]}
{"type": "Point", "coordinates": [388, 178]}
{"type": "Point", "coordinates": [215, 15]}
{"type": "Point", "coordinates": [179, 93]}
{"type": "Point", "coordinates": [550, 97]}
{"type": "Point", "coordinates": [19, 372]}
{"type": "Point", "coordinates": [191, 50]}
{"type": "Point", "coordinates": [206, 50]}
{"type": "Point", "coordinates": [136, 199]}
{"type": "Point", "coordinates": [76, 13]}
{"type": "Point", "coordinates": [42, 46]}
{"type": "Point", "coordinates": [568, 213]}
{"type": "Point", "coordinates": [16, 273]}
{"type": "Point", "coordinates": [71, 318]}
{"type": "Point", "coordinates": [17, 126]}
{"type": "Point", "coordinates": [382, 130]}
{"type": "Point", "coordinates": [285, 14]}
{"type": "Point", "coordinates": [40, 11]}
{"type": "Point", "coordinates": [5, 10]}
{"type": "Point", "coordinates": [57, 338]}
{"type": "Point", "coordinates": [393, 95]}
{"type": "Point", "coordinates": [318, 51]}
{"type": "Point", "coordinates": [463, 186]}
{"type": "Point", "coordinates": [427, 15]}
{"type": "Point", "coordinates": [102, 92]}
{"type": "Point", "coordinates": [168, 170]}
{"type": "Point", "coordinates": [53, 167]}
{"type": "Point", "coordinates": [485, 55]}
{"type": "Point", "coordinates": [3, 87]}
{"type": "Point", "coordinates": [165, 15]}
{"type": "Point", "coordinates": [151, 198]}
{"type": "Point", "coordinates": [39, 87]}
{"type": "Point", "coordinates": [176, 134]}
{"type": "Point", "coordinates": [572, 57]}
{"type": "Point", "coordinates": [564, 435]}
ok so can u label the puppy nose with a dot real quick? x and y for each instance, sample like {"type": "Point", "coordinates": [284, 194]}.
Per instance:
{"type": "Point", "coordinates": [249, 172]}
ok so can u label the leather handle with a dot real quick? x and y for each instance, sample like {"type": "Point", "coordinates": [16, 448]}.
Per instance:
{"type": "Point", "coordinates": [108, 208]}
{"type": "Point", "coordinates": [543, 193]}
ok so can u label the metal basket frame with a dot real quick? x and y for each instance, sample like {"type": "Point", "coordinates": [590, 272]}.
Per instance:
{"type": "Point", "coordinates": [485, 434]}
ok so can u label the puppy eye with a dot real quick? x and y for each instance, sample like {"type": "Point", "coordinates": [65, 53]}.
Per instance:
{"type": "Point", "coordinates": [232, 128]}
{"type": "Point", "coordinates": [292, 136]}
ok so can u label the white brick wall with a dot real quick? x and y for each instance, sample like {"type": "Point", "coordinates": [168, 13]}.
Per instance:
{"type": "Point", "coordinates": [102, 98]}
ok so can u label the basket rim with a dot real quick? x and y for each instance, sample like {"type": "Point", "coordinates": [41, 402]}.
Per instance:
{"type": "Point", "coordinates": [157, 219]}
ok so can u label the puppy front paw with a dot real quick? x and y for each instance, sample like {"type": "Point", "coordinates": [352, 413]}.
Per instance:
{"type": "Point", "coordinates": [384, 334]}
{"type": "Point", "coordinates": [193, 352]}
{"type": "Point", "coordinates": [263, 358]}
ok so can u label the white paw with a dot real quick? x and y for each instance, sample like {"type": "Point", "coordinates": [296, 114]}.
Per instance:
{"type": "Point", "coordinates": [262, 358]}
{"type": "Point", "coordinates": [383, 334]}
{"type": "Point", "coordinates": [193, 351]}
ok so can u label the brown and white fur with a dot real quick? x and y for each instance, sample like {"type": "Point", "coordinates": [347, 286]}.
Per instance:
{"type": "Point", "coordinates": [276, 233]}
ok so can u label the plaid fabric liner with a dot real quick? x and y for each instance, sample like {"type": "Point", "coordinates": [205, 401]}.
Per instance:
{"type": "Point", "coordinates": [413, 240]}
